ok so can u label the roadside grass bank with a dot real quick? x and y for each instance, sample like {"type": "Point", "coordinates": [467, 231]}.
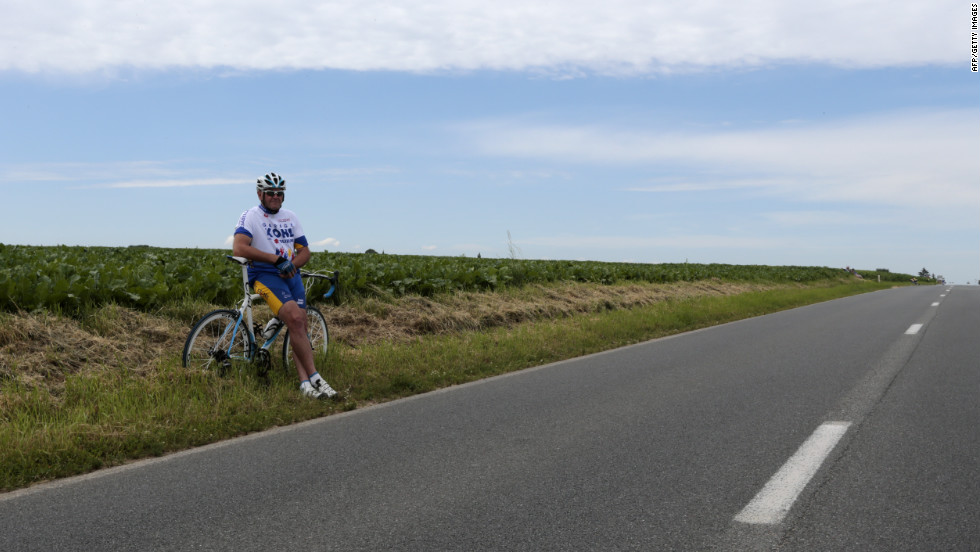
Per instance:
{"type": "Point", "coordinates": [75, 400]}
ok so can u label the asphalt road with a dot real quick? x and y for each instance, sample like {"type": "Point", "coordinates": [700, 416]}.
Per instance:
{"type": "Point", "coordinates": [829, 427]}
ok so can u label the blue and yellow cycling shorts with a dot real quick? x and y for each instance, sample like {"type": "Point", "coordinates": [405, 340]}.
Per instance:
{"type": "Point", "coordinates": [277, 291]}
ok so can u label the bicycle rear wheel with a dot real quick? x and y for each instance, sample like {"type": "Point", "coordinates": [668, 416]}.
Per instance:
{"type": "Point", "coordinates": [215, 342]}
{"type": "Point", "coordinates": [316, 327]}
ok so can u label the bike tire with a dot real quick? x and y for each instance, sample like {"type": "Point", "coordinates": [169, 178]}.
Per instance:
{"type": "Point", "coordinates": [208, 345]}
{"type": "Point", "coordinates": [316, 327]}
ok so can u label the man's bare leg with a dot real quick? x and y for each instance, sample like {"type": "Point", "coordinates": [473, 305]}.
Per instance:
{"type": "Point", "coordinates": [295, 319]}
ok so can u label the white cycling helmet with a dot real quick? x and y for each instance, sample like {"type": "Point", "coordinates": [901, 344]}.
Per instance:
{"type": "Point", "coordinates": [271, 182]}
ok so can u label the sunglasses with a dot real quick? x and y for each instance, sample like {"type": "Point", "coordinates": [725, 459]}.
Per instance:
{"type": "Point", "coordinates": [275, 194]}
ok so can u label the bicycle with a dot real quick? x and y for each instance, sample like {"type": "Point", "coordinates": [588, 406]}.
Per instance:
{"type": "Point", "coordinates": [224, 336]}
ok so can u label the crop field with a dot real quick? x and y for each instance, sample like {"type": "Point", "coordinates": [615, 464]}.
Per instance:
{"type": "Point", "coordinates": [74, 279]}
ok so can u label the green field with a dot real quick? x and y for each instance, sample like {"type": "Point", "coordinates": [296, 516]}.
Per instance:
{"type": "Point", "coordinates": [75, 279]}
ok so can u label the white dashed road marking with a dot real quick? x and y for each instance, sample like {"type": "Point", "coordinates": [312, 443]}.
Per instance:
{"type": "Point", "coordinates": [913, 329]}
{"type": "Point", "coordinates": [774, 501]}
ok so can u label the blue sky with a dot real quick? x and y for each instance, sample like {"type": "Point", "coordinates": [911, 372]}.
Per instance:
{"type": "Point", "coordinates": [781, 133]}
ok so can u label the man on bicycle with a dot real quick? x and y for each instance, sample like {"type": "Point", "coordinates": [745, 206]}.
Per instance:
{"type": "Point", "coordinates": [272, 238]}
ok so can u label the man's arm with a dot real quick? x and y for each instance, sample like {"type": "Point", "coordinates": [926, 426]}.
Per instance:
{"type": "Point", "coordinates": [301, 256]}
{"type": "Point", "coordinates": [243, 248]}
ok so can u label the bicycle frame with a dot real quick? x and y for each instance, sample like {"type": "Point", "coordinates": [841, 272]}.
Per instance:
{"type": "Point", "coordinates": [245, 308]}
{"type": "Point", "coordinates": [231, 334]}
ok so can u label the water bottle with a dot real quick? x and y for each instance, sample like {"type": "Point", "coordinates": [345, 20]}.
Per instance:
{"type": "Point", "coordinates": [271, 327]}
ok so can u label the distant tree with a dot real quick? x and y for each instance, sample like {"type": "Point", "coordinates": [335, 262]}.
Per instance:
{"type": "Point", "coordinates": [370, 252]}
{"type": "Point", "coordinates": [924, 273]}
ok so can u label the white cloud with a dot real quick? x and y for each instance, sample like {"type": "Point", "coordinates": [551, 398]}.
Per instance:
{"type": "Point", "coordinates": [568, 37]}
{"type": "Point", "coordinates": [824, 219]}
{"type": "Point", "coordinates": [904, 158]}
{"type": "Point", "coordinates": [119, 175]}
{"type": "Point", "coordinates": [327, 242]}
{"type": "Point", "coordinates": [708, 186]}
{"type": "Point", "coordinates": [95, 171]}
{"type": "Point", "coordinates": [650, 242]}
{"type": "Point", "coordinates": [173, 183]}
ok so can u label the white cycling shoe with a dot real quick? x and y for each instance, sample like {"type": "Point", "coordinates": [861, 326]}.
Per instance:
{"type": "Point", "coordinates": [323, 388]}
{"type": "Point", "coordinates": [309, 391]}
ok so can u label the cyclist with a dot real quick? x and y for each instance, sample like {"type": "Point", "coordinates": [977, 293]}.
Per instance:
{"type": "Point", "coordinates": [272, 238]}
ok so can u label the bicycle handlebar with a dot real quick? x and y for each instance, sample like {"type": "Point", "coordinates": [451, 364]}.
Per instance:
{"type": "Point", "coordinates": [333, 277]}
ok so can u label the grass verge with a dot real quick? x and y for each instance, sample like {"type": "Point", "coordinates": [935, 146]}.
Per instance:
{"type": "Point", "coordinates": [107, 416]}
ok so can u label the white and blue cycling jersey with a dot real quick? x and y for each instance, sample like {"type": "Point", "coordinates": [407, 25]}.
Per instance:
{"type": "Point", "coordinates": [277, 233]}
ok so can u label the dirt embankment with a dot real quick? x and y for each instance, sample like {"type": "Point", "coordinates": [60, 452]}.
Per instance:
{"type": "Point", "coordinates": [40, 349]}
{"type": "Point", "coordinates": [374, 320]}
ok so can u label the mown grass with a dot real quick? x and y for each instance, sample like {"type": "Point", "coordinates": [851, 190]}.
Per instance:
{"type": "Point", "coordinates": [108, 416]}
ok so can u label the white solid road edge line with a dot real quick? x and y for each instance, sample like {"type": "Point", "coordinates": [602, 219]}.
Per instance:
{"type": "Point", "coordinates": [913, 329]}
{"type": "Point", "coordinates": [774, 501]}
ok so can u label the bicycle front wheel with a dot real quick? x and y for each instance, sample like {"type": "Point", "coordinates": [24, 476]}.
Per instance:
{"type": "Point", "coordinates": [216, 341]}
{"type": "Point", "coordinates": [316, 327]}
